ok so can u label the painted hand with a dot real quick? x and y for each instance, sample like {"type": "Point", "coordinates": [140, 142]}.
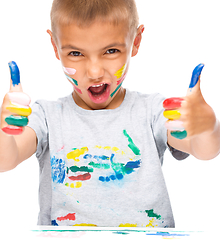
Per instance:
{"type": "Point", "coordinates": [191, 115]}
{"type": "Point", "coordinates": [15, 108]}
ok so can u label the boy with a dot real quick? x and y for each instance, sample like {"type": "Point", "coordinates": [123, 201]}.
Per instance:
{"type": "Point", "coordinates": [100, 149]}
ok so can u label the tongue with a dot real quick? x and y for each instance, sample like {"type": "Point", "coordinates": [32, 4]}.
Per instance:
{"type": "Point", "coordinates": [97, 90]}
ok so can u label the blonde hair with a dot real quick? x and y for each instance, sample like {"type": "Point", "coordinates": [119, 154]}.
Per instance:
{"type": "Point", "coordinates": [86, 12]}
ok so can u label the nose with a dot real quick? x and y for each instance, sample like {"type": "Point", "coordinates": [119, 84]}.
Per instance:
{"type": "Point", "coordinates": [95, 70]}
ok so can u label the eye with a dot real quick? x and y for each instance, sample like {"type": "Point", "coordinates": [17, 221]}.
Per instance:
{"type": "Point", "coordinates": [75, 54]}
{"type": "Point", "coordinates": [112, 51]}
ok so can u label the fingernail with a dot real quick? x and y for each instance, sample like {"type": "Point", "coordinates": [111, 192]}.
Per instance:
{"type": "Point", "coordinates": [15, 73]}
{"type": "Point", "coordinates": [195, 75]}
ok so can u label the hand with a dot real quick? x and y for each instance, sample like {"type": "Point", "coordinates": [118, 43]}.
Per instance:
{"type": "Point", "coordinates": [191, 115]}
{"type": "Point", "coordinates": [15, 108]}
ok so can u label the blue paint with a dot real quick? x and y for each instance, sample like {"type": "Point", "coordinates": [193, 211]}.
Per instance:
{"type": "Point", "coordinates": [167, 234]}
{"type": "Point", "coordinates": [101, 157]}
{"type": "Point", "coordinates": [195, 75]}
{"type": "Point", "coordinates": [133, 164]}
{"type": "Point", "coordinates": [58, 170]}
{"type": "Point", "coordinates": [15, 73]}
{"type": "Point", "coordinates": [87, 156]}
{"type": "Point", "coordinates": [54, 223]}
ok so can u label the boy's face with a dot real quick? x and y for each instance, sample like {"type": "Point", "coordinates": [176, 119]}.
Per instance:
{"type": "Point", "coordinates": [96, 60]}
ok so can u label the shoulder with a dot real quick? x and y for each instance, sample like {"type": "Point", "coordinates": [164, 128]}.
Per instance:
{"type": "Point", "coordinates": [51, 105]}
{"type": "Point", "coordinates": [152, 101]}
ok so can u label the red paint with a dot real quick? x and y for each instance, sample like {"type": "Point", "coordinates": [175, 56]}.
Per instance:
{"type": "Point", "coordinates": [78, 90]}
{"type": "Point", "coordinates": [172, 103]}
{"type": "Point", "coordinates": [70, 216]}
{"type": "Point", "coordinates": [13, 130]}
{"type": "Point", "coordinates": [83, 177]}
{"type": "Point", "coordinates": [121, 80]}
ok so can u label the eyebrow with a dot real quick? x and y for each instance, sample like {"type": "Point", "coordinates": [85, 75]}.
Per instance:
{"type": "Point", "coordinates": [107, 47]}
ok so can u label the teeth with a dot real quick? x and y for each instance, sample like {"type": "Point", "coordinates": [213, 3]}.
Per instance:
{"type": "Point", "coordinates": [98, 85]}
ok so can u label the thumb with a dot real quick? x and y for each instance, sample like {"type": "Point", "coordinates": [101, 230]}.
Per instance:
{"type": "Point", "coordinates": [195, 80]}
{"type": "Point", "coordinates": [15, 85]}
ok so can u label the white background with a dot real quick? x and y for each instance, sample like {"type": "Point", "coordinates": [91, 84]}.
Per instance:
{"type": "Point", "coordinates": [179, 34]}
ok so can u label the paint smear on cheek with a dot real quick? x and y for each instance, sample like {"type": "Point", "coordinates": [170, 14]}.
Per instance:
{"type": "Point", "coordinates": [70, 71]}
{"type": "Point", "coordinates": [120, 72]}
{"type": "Point", "coordinates": [78, 90]}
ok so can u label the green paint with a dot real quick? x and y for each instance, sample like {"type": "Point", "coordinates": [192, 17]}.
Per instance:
{"type": "Point", "coordinates": [99, 165]}
{"type": "Point", "coordinates": [79, 169]}
{"type": "Point", "coordinates": [72, 80]}
{"type": "Point", "coordinates": [131, 144]}
{"type": "Point", "coordinates": [179, 135]}
{"type": "Point", "coordinates": [116, 89]}
{"type": "Point", "coordinates": [121, 233]}
{"type": "Point", "coordinates": [151, 213]}
{"type": "Point", "coordinates": [17, 121]}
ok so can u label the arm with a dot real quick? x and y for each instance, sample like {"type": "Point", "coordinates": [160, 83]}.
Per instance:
{"type": "Point", "coordinates": [199, 121]}
{"type": "Point", "coordinates": [16, 149]}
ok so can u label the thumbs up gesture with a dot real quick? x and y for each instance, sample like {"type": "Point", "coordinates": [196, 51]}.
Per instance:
{"type": "Point", "coordinates": [15, 108]}
{"type": "Point", "coordinates": [191, 115]}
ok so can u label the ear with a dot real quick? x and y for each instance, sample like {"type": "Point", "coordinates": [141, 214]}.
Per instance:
{"type": "Point", "coordinates": [54, 44]}
{"type": "Point", "coordinates": [137, 40]}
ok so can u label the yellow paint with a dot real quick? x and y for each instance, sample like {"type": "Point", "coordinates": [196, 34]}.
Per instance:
{"type": "Point", "coordinates": [20, 110]}
{"type": "Point", "coordinates": [172, 114]}
{"type": "Point", "coordinates": [120, 72]}
{"type": "Point", "coordinates": [78, 185]}
{"type": "Point", "coordinates": [128, 225]}
{"type": "Point", "coordinates": [84, 225]}
{"type": "Point", "coordinates": [151, 223]}
{"type": "Point", "coordinates": [77, 153]}
{"type": "Point", "coordinates": [99, 147]}
{"type": "Point", "coordinates": [115, 149]}
{"type": "Point", "coordinates": [72, 185]}
{"type": "Point", "coordinates": [107, 148]}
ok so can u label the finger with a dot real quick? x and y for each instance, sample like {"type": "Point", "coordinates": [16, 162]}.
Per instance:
{"type": "Point", "coordinates": [195, 80]}
{"type": "Point", "coordinates": [179, 134]}
{"type": "Point", "coordinates": [174, 125]}
{"type": "Point", "coordinates": [12, 130]}
{"type": "Point", "coordinates": [172, 114]}
{"type": "Point", "coordinates": [15, 77]}
{"type": "Point", "coordinates": [172, 103]}
{"type": "Point", "coordinates": [18, 121]}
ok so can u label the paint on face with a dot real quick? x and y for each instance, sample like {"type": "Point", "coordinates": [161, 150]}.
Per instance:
{"type": "Point", "coordinates": [78, 90]}
{"type": "Point", "coordinates": [72, 80]}
{"type": "Point", "coordinates": [120, 72]}
{"type": "Point", "coordinates": [116, 90]}
{"type": "Point", "coordinates": [70, 71]}
{"type": "Point", "coordinates": [15, 73]}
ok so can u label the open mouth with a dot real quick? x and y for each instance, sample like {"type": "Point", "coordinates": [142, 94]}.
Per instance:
{"type": "Point", "coordinates": [99, 93]}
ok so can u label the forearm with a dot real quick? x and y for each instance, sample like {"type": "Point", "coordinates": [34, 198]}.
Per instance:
{"type": "Point", "coordinates": [206, 146]}
{"type": "Point", "coordinates": [8, 152]}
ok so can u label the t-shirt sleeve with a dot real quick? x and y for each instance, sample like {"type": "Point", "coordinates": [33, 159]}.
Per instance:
{"type": "Point", "coordinates": [37, 121]}
{"type": "Point", "coordinates": [160, 131]}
